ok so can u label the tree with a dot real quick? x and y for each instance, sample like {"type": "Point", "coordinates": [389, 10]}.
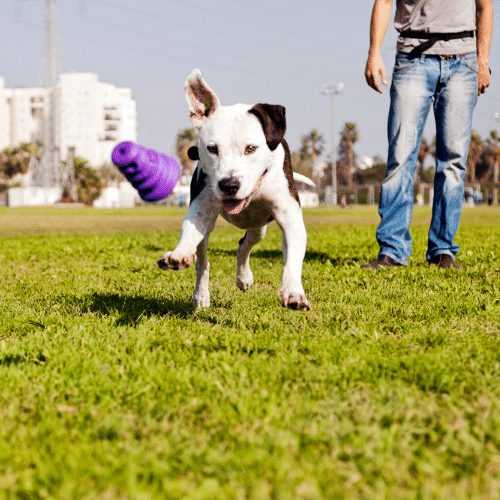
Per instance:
{"type": "Point", "coordinates": [347, 155]}
{"type": "Point", "coordinates": [475, 151]}
{"type": "Point", "coordinates": [301, 165]}
{"type": "Point", "coordinates": [16, 160]}
{"type": "Point", "coordinates": [423, 152]}
{"type": "Point", "coordinates": [184, 140]}
{"type": "Point", "coordinates": [374, 174]}
{"type": "Point", "coordinates": [89, 183]}
{"type": "Point", "coordinates": [110, 175]}
{"type": "Point", "coordinates": [490, 159]}
{"type": "Point", "coordinates": [304, 160]}
{"type": "Point", "coordinates": [312, 145]}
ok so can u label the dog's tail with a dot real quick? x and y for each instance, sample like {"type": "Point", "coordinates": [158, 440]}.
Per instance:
{"type": "Point", "coordinates": [305, 180]}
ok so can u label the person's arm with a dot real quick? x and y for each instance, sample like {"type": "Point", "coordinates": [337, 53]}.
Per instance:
{"type": "Point", "coordinates": [484, 15]}
{"type": "Point", "coordinates": [375, 73]}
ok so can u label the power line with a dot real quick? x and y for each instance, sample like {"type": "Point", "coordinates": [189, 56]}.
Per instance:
{"type": "Point", "coordinates": [136, 32]}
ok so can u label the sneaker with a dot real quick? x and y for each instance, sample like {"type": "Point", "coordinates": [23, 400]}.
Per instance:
{"type": "Point", "coordinates": [444, 261]}
{"type": "Point", "coordinates": [382, 261]}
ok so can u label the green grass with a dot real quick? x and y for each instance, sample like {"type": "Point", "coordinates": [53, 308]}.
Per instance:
{"type": "Point", "coordinates": [112, 387]}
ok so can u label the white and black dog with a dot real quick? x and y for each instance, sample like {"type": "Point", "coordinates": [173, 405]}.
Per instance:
{"type": "Point", "coordinates": [244, 173]}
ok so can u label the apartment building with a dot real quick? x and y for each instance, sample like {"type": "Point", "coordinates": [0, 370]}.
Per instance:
{"type": "Point", "coordinates": [87, 114]}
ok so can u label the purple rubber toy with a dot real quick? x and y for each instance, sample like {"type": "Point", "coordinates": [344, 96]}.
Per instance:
{"type": "Point", "coordinates": [153, 174]}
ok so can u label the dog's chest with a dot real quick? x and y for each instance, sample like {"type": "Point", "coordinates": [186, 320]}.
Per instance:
{"type": "Point", "coordinates": [256, 215]}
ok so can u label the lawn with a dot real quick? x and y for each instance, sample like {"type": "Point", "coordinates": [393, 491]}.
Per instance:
{"type": "Point", "coordinates": [111, 386]}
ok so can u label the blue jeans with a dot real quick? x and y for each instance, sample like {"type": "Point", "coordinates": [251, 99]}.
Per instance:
{"type": "Point", "coordinates": [449, 85]}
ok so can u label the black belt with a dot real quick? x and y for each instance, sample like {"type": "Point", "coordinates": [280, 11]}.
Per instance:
{"type": "Point", "coordinates": [432, 38]}
{"type": "Point", "coordinates": [426, 35]}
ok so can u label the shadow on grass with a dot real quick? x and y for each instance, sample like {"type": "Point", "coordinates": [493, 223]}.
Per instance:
{"type": "Point", "coordinates": [19, 359]}
{"type": "Point", "coordinates": [132, 308]}
{"type": "Point", "coordinates": [153, 248]}
{"type": "Point", "coordinates": [217, 347]}
{"type": "Point", "coordinates": [311, 256]}
{"type": "Point", "coordinates": [12, 359]}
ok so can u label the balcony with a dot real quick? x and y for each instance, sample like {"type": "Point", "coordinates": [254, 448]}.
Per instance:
{"type": "Point", "coordinates": [112, 116]}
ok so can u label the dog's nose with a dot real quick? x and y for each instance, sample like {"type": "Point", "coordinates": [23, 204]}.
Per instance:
{"type": "Point", "coordinates": [229, 185]}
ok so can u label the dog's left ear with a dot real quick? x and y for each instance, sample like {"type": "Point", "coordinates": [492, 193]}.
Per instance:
{"type": "Point", "coordinates": [193, 153]}
{"type": "Point", "coordinates": [272, 117]}
{"type": "Point", "coordinates": [202, 100]}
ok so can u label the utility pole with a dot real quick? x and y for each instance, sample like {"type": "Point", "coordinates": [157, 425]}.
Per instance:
{"type": "Point", "coordinates": [50, 165]}
{"type": "Point", "coordinates": [50, 43]}
{"type": "Point", "coordinates": [332, 90]}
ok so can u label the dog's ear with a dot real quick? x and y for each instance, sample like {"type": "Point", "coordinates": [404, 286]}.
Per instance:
{"type": "Point", "coordinates": [272, 117]}
{"type": "Point", "coordinates": [202, 100]}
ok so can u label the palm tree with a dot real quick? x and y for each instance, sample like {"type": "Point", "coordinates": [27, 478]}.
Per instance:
{"type": "Point", "coordinates": [16, 160]}
{"type": "Point", "coordinates": [347, 155]}
{"type": "Point", "coordinates": [312, 145]}
{"type": "Point", "coordinates": [184, 140]}
{"type": "Point", "coordinates": [302, 165]}
{"type": "Point", "coordinates": [423, 152]}
{"type": "Point", "coordinates": [475, 151]}
{"type": "Point", "coordinates": [495, 147]}
{"type": "Point", "coordinates": [89, 183]}
{"type": "Point", "coordinates": [488, 167]}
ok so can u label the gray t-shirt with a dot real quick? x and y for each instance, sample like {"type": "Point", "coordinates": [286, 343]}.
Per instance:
{"type": "Point", "coordinates": [437, 16]}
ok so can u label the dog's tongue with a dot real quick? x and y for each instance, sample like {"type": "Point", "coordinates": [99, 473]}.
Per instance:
{"type": "Point", "coordinates": [233, 207]}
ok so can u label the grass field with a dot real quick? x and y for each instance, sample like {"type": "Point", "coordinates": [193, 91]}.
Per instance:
{"type": "Point", "coordinates": [111, 386]}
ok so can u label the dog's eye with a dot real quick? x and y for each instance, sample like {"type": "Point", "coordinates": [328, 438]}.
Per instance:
{"type": "Point", "coordinates": [250, 149]}
{"type": "Point", "coordinates": [213, 149]}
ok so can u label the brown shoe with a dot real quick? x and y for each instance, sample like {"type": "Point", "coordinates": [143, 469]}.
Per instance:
{"type": "Point", "coordinates": [382, 261]}
{"type": "Point", "coordinates": [444, 261]}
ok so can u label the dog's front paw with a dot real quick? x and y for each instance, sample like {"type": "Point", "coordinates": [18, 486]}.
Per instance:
{"type": "Point", "coordinates": [244, 280]}
{"type": "Point", "coordinates": [201, 300]}
{"type": "Point", "coordinates": [172, 261]}
{"type": "Point", "coordinates": [295, 300]}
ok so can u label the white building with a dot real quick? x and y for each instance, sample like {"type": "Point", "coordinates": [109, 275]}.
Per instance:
{"type": "Point", "coordinates": [20, 114]}
{"type": "Point", "coordinates": [121, 195]}
{"type": "Point", "coordinates": [89, 115]}
{"type": "Point", "coordinates": [4, 117]}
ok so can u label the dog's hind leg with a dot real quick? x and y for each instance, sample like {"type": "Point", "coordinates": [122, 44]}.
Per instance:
{"type": "Point", "coordinates": [244, 275]}
{"type": "Point", "coordinates": [201, 295]}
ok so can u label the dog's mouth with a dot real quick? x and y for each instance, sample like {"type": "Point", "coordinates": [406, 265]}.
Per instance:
{"type": "Point", "coordinates": [233, 206]}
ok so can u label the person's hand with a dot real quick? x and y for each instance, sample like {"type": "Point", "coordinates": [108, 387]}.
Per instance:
{"type": "Point", "coordinates": [375, 73]}
{"type": "Point", "coordinates": [483, 77]}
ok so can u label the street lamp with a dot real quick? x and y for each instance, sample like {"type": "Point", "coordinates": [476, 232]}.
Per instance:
{"type": "Point", "coordinates": [332, 90]}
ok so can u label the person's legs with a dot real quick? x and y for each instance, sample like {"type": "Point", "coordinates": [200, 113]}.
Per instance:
{"type": "Point", "coordinates": [453, 108]}
{"type": "Point", "coordinates": [413, 86]}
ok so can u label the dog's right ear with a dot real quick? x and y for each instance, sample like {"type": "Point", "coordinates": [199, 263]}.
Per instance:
{"type": "Point", "coordinates": [202, 100]}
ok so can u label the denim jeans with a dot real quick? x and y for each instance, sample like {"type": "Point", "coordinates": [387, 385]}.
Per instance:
{"type": "Point", "coordinates": [449, 85]}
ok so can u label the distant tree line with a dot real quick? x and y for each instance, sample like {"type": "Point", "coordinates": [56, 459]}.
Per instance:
{"type": "Point", "coordinates": [483, 160]}
{"type": "Point", "coordinates": [484, 154]}
{"type": "Point", "coordinates": [88, 181]}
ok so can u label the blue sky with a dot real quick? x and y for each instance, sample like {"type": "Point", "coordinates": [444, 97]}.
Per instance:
{"type": "Point", "coordinates": [277, 51]}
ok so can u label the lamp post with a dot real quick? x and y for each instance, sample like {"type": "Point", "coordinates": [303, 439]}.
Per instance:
{"type": "Point", "coordinates": [332, 90]}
